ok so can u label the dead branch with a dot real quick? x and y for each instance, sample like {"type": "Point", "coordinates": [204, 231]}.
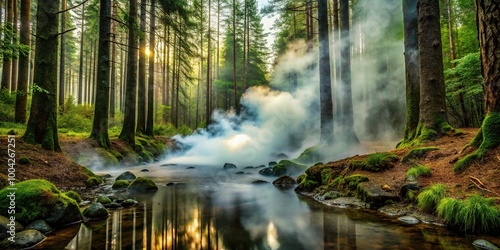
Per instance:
{"type": "Point", "coordinates": [479, 184]}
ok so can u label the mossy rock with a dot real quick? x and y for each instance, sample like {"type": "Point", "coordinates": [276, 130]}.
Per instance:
{"type": "Point", "coordinates": [41, 226]}
{"type": "Point", "coordinates": [93, 181]}
{"type": "Point", "coordinates": [310, 155]}
{"type": "Point", "coordinates": [129, 202]}
{"type": "Point", "coordinates": [376, 162]}
{"type": "Point", "coordinates": [107, 157]}
{"type": "Point", "coordinates": [417, 153]}
{"type": "Point", "coordinates": [24, 240]}
{"type": "Point", "coordinates": [127, 176]}
{"type": "Point", "coordinates": [24, 160]}
{"type": "Point", "coordinates": [286, 167]}
{"type": "Point", "coordinates": [40, 199]}
{"type": "Point", "coordinates": [354, 180]}
{"type": "Point", "coordinates": [103, 199]}
{"type": "Point", "coordinates": [375, 195]}
{"type": "Point", "coordinates": [95, 211]}
{"type": "Point", "coordinates": [120, 185]}
{"type": "Point", "coordinates": [73, 195]}
{"type": "Point", "coordinates": [142, 185]}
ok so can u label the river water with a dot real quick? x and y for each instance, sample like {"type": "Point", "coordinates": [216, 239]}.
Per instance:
{"type": "Point", "coordinates": [210, 208]}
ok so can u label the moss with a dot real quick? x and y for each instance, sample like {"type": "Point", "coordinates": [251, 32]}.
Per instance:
{"type": "Point", "coordinates": [24, 161]}
{"type": "Point", "coordinates": [489, 138]}
{"type": "Point", "coordinates": [142, 185]}
{"type": "Point", "coordinates": [93, 181]}
{"type": "Point", "coordinates": [38, 199]}
{"type": "Point", "coordinates": [103, 199]}
{"type": "Point", "coordinates": [417, 153]}
{"type": "Point", "coordinates": [108, 158]}
{"type": "Point", "coordinates": [326, 176]}
{"type": "Point", "coordinates": [353, 181]}
{"type": "Point", "coordinates": [307, 184]}
{"type": "Point", "coordinates": [428, 133]}
{"type": "Point", "coordinates": [431, 196]}
{"type": "Point", "coordinates": [120, 184]}
{"type": "Point", "coordinates": [312, 154]}
{"type": "Point", "coordinates": [473, 215]}
{"type": "Point", "coordinates": [376, 162]}
{"type": "Point", "coordinates": [286, 166]}
{"type": "Point", "coordinates": [338, 181]}
{"type": "Point", "coordinates": [73, 195]}
{"type": "Point", "coordinates": [87, 171]}
{"type": "Point", "coordinates": [300, 178]}
{"type": "Point", "coordinates": [411, 196]}
{"type": "Point", "coordinates": [419, 170]}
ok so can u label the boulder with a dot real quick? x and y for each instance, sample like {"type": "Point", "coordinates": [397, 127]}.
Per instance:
{"type": "Point", "coordinates": [229, 166]}
{"type": "Point", "coordinates": [282, 156]}
{"type": "Point", "coordinates": [120, 185]}
{"type": "Point", "coordinates": [272, 164]}
{"type": "Point", "coordinates": [409, 220]}
{"type": "Point", "coordinates": [145, 170]}
{"type": "Point", "coordinates": [484, 244]}
{"type": "Point", "coordinates": [266, 171]}
{"type": "Point", "coordinates": [374, 195]}
{"type": "Point", "coordinates": [129, 203]}
{"type": "Point", "coordinates": [190, 167]}
{"type": "Point", "coordinates": [259, 182]}
{"type": "Point", "coordinates": [248, 167]}
{"type": "Point", "coordinates": [4, 227]}
{"type": "Point", "coordinates": [128, 176]}
{"type": "Point", "coordinates": [95, 211]}
{"type": "Point", "coordinates": [103, 199]}
{"type": "Point", "coordinates": [142, 185]}
{"type": "Point", "coordinates": [41, 226]}
{"type": "Point", "coordinates": [24, 239]}
{"type": "Point", "coordinates": [40, 199]}
{"type": "Point", "coordinates": [240, 172]}
{"type": "Point", "coordinates": [114, 205]}
{"type": "Point", "coordinates": [285, 182]}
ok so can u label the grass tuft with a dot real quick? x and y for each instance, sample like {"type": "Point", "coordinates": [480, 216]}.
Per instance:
{"type": "Point", "coordinates": [431, 196]}
{"type": "Point", "coordinates": [417, 171]}
{"type": "Point", "coordinates": [376, 162]}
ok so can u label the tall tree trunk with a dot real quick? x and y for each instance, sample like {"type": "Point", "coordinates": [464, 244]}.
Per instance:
{"type": "Point", "coordinates": [235, 87]}
{"type": "Point", "coordinates": [488, 137]}
{"type": "Point", "coordinates": [410, 21]}
{"type": "Point", "coordinates": [7, 58]}
{"type": "Point", "coordinates": [209, 47]}
{"type": "Point", "coordinates": [433, 121]}
{"type": "Point", "coordinates": [112, 90]}
{"type": "Point", "coordinates": [62, 60]}
{"type": "Point", "coordinates": [347, 118]}
{"type": "Point", "coordinates": [128, 129]}
{"type": "Point", "coordinates": [151, 79]}
{"type": "Point", "coordinates": [15, 42]}
{"type": "Point", "coordinates": [42, 124]}
{"type": "Point", "coordinates": [80, 74]}
{"type": "Point", "coordinates": [336, 38]}
{"type": "Point", "coordinates": [141, 93]}
{"type": "Point", "coordinates": [173, 99]}
{"type": "Point", "coordinates": [23, 79]}
{"type": "Point", "coordinates": [94, 73]}
{"type": "Point", "coordinates": [325, 84]}
{"type": "Point", "coordinates": [450, 33]}
{"type": "Point", "coordinates": [100, 125]}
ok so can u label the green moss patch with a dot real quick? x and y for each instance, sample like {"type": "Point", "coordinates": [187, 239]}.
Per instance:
{"type": "Point", "coordinates": [40, 199]}
{"type": "Point", "coordinates": [73, 195]}
{"type": "Point", "coordinates": [417, 153]}
{"type": "Point", "coordinates": [310, 155]}
{"type": "Point", "coordinates": [417, 171]}
{"type": "Point", "coordinates": [287, 166]}
{"type": "Point", "coordinates": [473, 215]}
{"type": "Point", "coordinates": [120, 185]}
{"type": "Point", "coordinates": [142, 185]}
{"type": "Point", "coordinates": [376, 162]}
{"type": "Point", "coordinates": [93, 181]}
{"type": "Point", "coordinates": [431, 196]}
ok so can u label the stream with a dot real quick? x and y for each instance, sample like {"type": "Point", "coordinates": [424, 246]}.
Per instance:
{"type": "Point", "coordinates": [211, 208]}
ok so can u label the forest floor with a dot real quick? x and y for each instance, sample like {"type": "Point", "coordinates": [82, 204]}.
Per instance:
{"type": "Point", "coordinates": [62, 169]}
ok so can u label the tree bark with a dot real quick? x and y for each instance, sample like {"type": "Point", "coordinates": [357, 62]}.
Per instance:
{"type": "Point", "coordinates": [42, 124]}
{"type": "Point", "coordinates": [112, 90]}
{"type": "Point", "coordinates": [80, 74]}
{"type": "Point", "coordinates": [15, 66]}
{"type": "Point", "coordinates": [141, 93]}
{"type": "Point", "coordinates": [100, 125]}
{"type": "Point", "coordinates": [23, 78]}
{"type": "Point", "coordinates": [347, 119]}
{"type": "Point", "coordinates": [151, 80]}
{"type": "Point", "coordinates": [325, 84]}
{"type": "Point", "coordinates": [208, 103]}
{"type": "Point", "coordinates": [128, 129]}
{"type": "Point", "coordinates": [7, 59]}
{"type": "Point", "coordinates": [62, 60]}
{"type": "Point", "coordinates": [410, 23]}
{"type": "Point", "coordinates": [433, 121]}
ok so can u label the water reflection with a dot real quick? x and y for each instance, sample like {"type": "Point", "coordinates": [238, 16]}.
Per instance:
{"type": "Point", "coordinates": [244, 216]}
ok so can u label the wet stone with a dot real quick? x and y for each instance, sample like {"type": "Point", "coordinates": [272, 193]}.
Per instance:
{"type": "Point", "coordinates": [484, 244]}
{"type": "Point", "coordinates": [4, 228]}
{"type": "Point", "coordinates": [25, 239]}
{"type": "Point", "coordinates": [409, 220]}
{"type": "Point", "coordinates": [114, 205]}
{"type": "Point", "coordinates": [145, 170]}
{"type": "Point", "coordinates": [259, 182]}
{"type": "Point", "coordinates": [240, 172]}
{"type": "Point", "coordinates": [128, 176]}
{"type": "Point", "coordinates": [229, 166]}
{"type": "Point", "coordinates": [95, 211]}
{"type": "Point", "coordinates": [285, 182]}
{"type": "Point", "coordinates": [41, 226]}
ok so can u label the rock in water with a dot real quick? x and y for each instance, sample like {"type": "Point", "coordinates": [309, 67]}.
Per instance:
{"type": "Point", "coordinates": [4, 228]}
{"type": "Point", "coordinates": [40, 225]}
{"type": "Point", "coordinates": [95, 211]}
{"type": "Point", "coordinates": [409, 220]}
{"type": "Point", "coordinates": [266, 171]}
{"type": "Point", "coordinates": [128, 176]}
{"type": "Point", "coordinates": [25, 239]}
{"type": "Point", "coordinates": [259, 182]}
{"type": "Point", "coordinates": [229, 166]}
{"type": "Point", "coordinates": [129, 203]}
{"type": "Point", "coordinates": [142, 185]}
{"type": "Point", "coordinates": [284, 181]}
{"type": "Point", "coordinates": [272, 164]}
{"type": "Point", "coordinates": [484, 244]}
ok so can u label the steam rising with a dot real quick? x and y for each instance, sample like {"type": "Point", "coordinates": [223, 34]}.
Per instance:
{"type": "Point", "coordinates": [284, 118]}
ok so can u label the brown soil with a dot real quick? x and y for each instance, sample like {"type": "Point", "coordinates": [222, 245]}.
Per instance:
{"type": "Point", "coordinates": [441, 162]}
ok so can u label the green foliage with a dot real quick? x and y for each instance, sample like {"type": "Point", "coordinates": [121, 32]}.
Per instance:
{"type": "Point", "coordinates": [76, 118]}
{"type": "Point", "coordinates": [431, 196]}
{"type": "Point", "coordinates": [103, 199]}
{"type": "Point", "coordinates": [419, 170]}
{"type": "Point", "coordinates": [417, 153]}
{"type": "Point", "coordinates": [73, 195]}
{"type": "Point", "coordinates": [9, 127]}
{"type": "Point", "coordinates": [476, 214]}
{"type": "Point", "coordinates": [354, 180]}
{"type": "Point", "coordinates": [376, 162]}
{"type": "Point", "coordinates": [7, 104]}
{"type": "Point", "coordinates": [466, 77]}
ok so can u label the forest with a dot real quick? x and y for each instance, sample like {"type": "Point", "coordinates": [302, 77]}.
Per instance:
{"type": "Point", "coordinates": [386, 101]}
